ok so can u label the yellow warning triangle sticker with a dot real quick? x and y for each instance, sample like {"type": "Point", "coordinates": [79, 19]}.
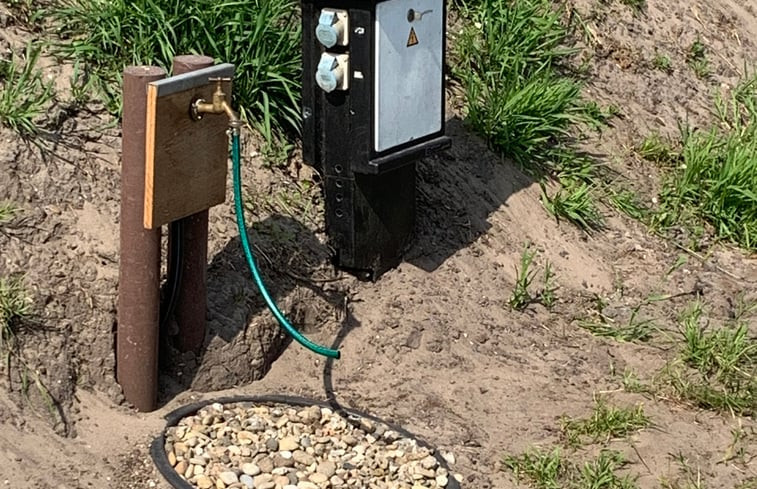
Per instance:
{"type": "Point", "coordinates": [412, 39]}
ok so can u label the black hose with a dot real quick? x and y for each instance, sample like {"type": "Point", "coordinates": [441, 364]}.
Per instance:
{"type": "Point", "coordinates": [175, 265]}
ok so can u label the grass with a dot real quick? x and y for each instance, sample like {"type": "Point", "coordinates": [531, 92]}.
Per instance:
{"type": "Point", "coordinates": [697, 59]}
{"type": "Point", "coordinates": [524, 277]}
{"type": "Point", "coordinates": [8, 210]}
{"type": "Point", "coordinates": [522, 296]}
{"type": "Point", "coordinates": [662, 62]}
{"type": "Point", "coordinates": [634, 329]}
{"type": "Point", "coordinates": [548, 296]}
{"type": "Point", "coordinates": [574, 202]}
{"type": "Point", "coordinates": [606, 423]}
{"type": "Point", "coordinates": [715, 368]}
{"type": "Point", "coordinates": [688, 476]}
{"type": "Point", "coordinates": [262, 38]}
{"type": "Point", "coordinates": [15, 306]}
{"type": "Point", "coordinates": [551, 470]}
{"type": "Point", "coordinates": [712, 173]}
{"type": "Point", "coordinates": [15, 309]}
{"type": "Point", "coordinates": [24, 94]}
{"type": "Point", "coordinates": [507, 59]}
{"type": "Point", "coordinates": [632, 383]}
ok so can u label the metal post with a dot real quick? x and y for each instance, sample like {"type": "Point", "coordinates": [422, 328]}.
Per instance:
{"type": "Point", "coordinates": [192, 294]}
{"type": "Point", "coordinates": [139, 267]}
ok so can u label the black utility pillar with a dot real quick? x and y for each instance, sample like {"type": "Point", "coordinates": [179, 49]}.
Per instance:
{"type": "Point", "coordinates": [373, 104]}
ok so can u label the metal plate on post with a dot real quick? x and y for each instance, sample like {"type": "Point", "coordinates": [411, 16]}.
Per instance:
{"type": "Point", "coordinates": [408, 76]}
{"type": "Point", "coordinates": [185, 160]}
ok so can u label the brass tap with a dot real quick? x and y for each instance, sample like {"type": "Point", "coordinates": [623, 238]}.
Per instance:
{"type": "Point", "coordinates": [219, 105]}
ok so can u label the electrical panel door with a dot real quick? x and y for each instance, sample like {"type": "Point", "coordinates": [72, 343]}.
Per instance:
{"type": "Point", "coordinates": [409, 70]}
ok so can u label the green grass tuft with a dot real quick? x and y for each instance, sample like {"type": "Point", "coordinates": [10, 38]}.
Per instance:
{"type": "Point", "coordinates": [507, 59]}
{"type": "Point", "coordinates": [574, 202]}
{"type": "Point", "coordinates": [715, 369]}
{"type": "Point", "coordinates": [715, 175]}
{"type": "Point", "coordinates": [15, 306]}
{"type": "Point", "coordinates": [524, 277]}
{"type": "Point", "coordinates": [662, 62]}
{"type": "Point", "coordinates": [262, 38]}
{"type": "Point", "coordinates": [8, 211]}
{"type": "Point", "coordinates": [605, 423]}
{"type": "Point", "coordinates": [697, 59]}
{"type": "Point", "coordinates": [522, 296]}
{"type": "Point", "coordinates": [634, 330]}
{"type": "Point", "coordinates": [545, 470]}
{"type": "Point", "coordinates": [24, 94]}
{"type": "Point", "coordinates": [550, 470]}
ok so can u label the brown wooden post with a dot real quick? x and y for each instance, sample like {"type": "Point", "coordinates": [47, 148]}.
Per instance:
{"type": "Point", "coordinates": [192, 294]}
{"type": "Point", "coordinates": [139, 266]}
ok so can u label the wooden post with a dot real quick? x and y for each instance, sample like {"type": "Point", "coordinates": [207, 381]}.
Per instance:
{"type": "Point", "coordinates": [191, 303]}
{"type": "Point", "coordinates": [139, 266]}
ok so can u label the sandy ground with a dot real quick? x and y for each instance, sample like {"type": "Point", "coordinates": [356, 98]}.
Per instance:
{"type": "Point", "coordinates": [432, 345]}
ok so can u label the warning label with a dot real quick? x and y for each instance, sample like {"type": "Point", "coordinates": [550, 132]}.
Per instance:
{"type": "Point", "coordinates": [412, 39]}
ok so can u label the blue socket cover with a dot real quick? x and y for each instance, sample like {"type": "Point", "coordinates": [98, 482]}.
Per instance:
{"type": "Point", "coordinates": [325, 76]}
{"type": "Point", "coordinates": [326, 31]}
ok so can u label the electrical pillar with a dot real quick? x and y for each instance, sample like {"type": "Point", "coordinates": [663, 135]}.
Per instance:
{"type": "Point", "coordinates": [373, 104]}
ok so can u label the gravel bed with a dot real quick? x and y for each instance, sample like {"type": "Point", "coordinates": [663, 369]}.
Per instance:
{"type": "Point", "coordinates": [246, 445]}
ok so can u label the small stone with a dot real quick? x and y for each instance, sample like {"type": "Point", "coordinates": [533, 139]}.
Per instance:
{"type": "Point", "coordinates": [181, 467]}
{"type": "Point", "coordinates": [250, 468]}
{"type": "Point", "coordinates": [172, 458]}
{"type": "Point", "coordinates": [272, 444]}
{"type": "Point", "coordinates": [442, 480]}
{"type": "Point", "coordinates": [246, 435]}
{"type": "Point", "coordinates": [204, 482]}
{"type": "Point", "coordinates": [327, 468]}
{"type": "Point", "coordinates": [285, 454]}
{"type": "Point", "coordinates": [262, 479]}
{"type": "Point", "coordinates": [429, 462]}
{"type": "Point", "coordinates": [367, 425]}
{"type": "Point", "coordinates": [283, 421]}
{"type": "Point", "coordinates": [280, 461]}
{"type": "Point", "coordinates": [281, 480]}
{"type": "Point", "coordinates": [449, 457]}
{"type": "Point", "coordinates": [266, 465]}
{"type": "Point", "coordinates": [289, 443]}
{"type": "Point", "coordinates": [198, 470]}
{"type": "Point", "coordinates": [198, 461]}
{"type": "Point", "coordinates": [349, 440]}
{"type": "Point", "coordinates": [303, 458]}
{"type": "Point", "coordinates": [247, 481]}
{"type": "Point", "coordinates": [228, 477]}
{"type": "Point", "coordinates": [306, 485]}
{"type": "Point", "coordinates": [336, 481]}
{"type": "Point", "coordinates": [318, 478]}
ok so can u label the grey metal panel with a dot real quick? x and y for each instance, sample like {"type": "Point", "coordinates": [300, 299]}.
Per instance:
{"type": "Point", "coordinates": [193, 79]}
{"type": "Point", "coordinates": [408, 91]}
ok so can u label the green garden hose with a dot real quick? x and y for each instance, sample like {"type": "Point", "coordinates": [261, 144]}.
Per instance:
{"type": "Point", "coordinates": [239, 209]}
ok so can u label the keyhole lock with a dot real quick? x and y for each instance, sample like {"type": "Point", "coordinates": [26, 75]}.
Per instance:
{"type": "Point", "coordinates": [413, 15]}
